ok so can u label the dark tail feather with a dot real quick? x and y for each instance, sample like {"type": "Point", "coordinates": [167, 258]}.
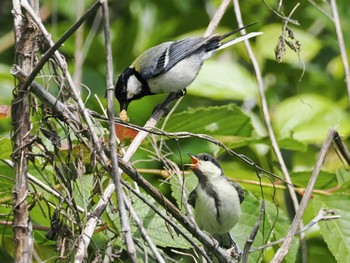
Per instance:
{"type": "Point", "coordinates": [236, 31]}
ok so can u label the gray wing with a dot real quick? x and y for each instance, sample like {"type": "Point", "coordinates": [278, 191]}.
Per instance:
{"type": "Point", "coordinates": [192, 198]}
{"type": "Point", "coordinates": [177, 51]}
{"type": "Point", "coordinates": [239, 190]}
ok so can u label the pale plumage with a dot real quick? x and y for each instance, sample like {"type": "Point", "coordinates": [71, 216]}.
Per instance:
{"type": "Point", "coordinates": [216, 199]}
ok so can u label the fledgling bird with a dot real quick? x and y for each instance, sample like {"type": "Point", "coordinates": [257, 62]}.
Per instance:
{"type": "Point", "coordinates": [169, 67]}
{"type": "Point", "coordinates": [216, 199]}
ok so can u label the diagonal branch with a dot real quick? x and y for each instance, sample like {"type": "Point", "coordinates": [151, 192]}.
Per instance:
{"type": "Point", "coordinates": [283, 250]}
{"type": "Point", "coordinates": [267, 121]}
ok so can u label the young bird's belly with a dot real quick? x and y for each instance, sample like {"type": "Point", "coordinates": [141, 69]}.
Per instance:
{"type": "Point", "coordinates": [221, 216]}
{"type": "Point", "coordinates": [177, 78]}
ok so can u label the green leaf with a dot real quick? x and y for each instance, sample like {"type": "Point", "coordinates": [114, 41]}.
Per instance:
{"type": "Point", "coordinates": [325, 179]}
{"type": "Point", "coordinates": [223, 81]}
{"type": "Point", "coordinates": [308, 118]}
{"type": "Point", "coordinates": [266, 43]}
{"type": "Point", "coordinates": [292, 144]}
{"type": "Point", "coordinates": [6, 148]}
{"type": "Point", "coordinates": [226, 120]}
{"type": "Point", "coordinates": [160, 233]}
{"type": "Point", "coordinates": [250, 211]}
{"type": "Point", "coordinates": [336, 232]}
{"type": "Point", "coordinates": [285, 143]}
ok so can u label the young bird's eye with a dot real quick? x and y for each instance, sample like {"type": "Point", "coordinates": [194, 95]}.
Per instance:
{"type": "Point", "coordinates": [206, 158]}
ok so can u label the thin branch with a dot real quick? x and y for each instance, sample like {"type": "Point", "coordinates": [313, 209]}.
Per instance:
{"type": "Point", "coordinates": [321, 216]}
{"type": "Point", "coordinates": [341, 44]}
{"type": "Point", "coordinates": [253, 234]}
{"type": "Point", "coordinates": [54, 46]}
{"type": "Point", "coordinates": [143, 231]}
{"type": "Point", "coordinates": [283, 250]}
{"type": "Point", "coordinates": [217, 18]}
{"type": "Point", "coordinates": [267, 120]}
{"type": "Point", "coordinates": [116, 175]}
{"type": "Point", "coordinates": [168, 220]}
{"type": "Point", "coordinates": [48, 189]}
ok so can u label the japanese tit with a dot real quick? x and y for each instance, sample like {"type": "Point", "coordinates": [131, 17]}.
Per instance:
{"type": "Point", "coordinates": [168, 67]}
{"type": "Point", "coordinates": [216, 199]}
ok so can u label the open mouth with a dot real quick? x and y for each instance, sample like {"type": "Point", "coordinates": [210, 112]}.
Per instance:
{"type": "Point", "coordinates": [195, 162]}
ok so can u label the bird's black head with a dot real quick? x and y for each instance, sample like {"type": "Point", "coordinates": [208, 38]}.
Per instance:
{"type": "Point", "coordinates": [205, 165]}
{"type": "Point", "coordinates": [130, 86]}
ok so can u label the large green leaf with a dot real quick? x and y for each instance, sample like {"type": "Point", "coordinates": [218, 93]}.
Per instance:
{"type": "Point", "coordinates": [325, 179]}
{"type": "Point", "coordinates": [223, 81]}
{"type": "Point", "coordinates": [160, 233]}
{"type": "Point", "coordinates": [308, 118]}
{"type": "Point", "coordinates": [336, 232]}
{"type": "Point", "coordinates": [226, 120]}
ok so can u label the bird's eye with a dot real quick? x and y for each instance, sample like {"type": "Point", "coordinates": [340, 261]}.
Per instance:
{"type": "Point", "coordinates": [206, 158]}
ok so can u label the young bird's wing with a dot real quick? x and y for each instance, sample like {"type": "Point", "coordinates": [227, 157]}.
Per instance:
{"type": "Point", "coordinates": [192, 198]}
{"type": "Point", "coordinates": [239, 190]}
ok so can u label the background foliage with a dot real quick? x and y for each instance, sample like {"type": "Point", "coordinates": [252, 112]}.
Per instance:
{"type": "Point", "coordinates": [306, 95]}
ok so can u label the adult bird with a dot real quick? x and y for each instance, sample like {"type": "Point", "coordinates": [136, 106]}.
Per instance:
{"type": "Point", "coordinates": [216, 199]}
{"type": "Point", "coordinates": [169, 67]}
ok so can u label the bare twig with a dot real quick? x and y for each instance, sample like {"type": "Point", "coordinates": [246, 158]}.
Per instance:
{"type": "Point", "coordinates": [252, 235]}
{"type": "Point", "coordinates": [217, 18]}
{"type": "Point", "coordinates": [43, 186]}
{"type": "Point", "coordinates": [321, 216]}
{"type": "Point", "coordinates": [168, 220]}
{"type": "Point", "coordinates": [54, 46]}
{"type": "Point", "coordinates": [266, 115]}
{"type": "Point", "coordinates": [341, 44]}
{"type": "Point", "coordinates": [282, 251]}
{"type": "Point", "coordinates": [143, 231]}
{"type": "Point", "coordinates": [116, 175]}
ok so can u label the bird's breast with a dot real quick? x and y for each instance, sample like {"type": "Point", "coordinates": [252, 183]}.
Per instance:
{"type": "Point", "coordinates": [217, 215]}
{"type": "Point", "coordinates": [178, 77]}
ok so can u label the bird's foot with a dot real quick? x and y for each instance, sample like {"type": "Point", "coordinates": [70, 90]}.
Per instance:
{"type": "Point", "coordinates": [171, 97]}
{"type": "Point", "coordinates": [213, 248]}
{"type": "Point", "coordinates": [235, 253]}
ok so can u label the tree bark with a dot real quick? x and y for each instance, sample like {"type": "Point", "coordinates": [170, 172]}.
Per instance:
{"type": "Point", "coordinates": [26, 37]}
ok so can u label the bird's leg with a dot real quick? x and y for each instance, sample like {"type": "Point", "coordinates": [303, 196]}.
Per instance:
{"type": "Point", "coordinates": [171, 97]}
{"type": "Point", "coordinates": [213, 248]}
{"type": "Point", "coordinates": [235, 251]}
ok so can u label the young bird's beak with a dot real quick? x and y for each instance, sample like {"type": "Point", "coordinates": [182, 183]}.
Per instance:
{"type": "Point", "coordinates": [195, 162]}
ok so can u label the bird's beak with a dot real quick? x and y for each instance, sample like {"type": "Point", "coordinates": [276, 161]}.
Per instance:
{"type": "Point", "coordinates": [195, 162]}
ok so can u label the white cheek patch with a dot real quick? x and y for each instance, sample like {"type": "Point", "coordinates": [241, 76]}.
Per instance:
{"type": "Point", "coordinates": [210, 169]}
{"type": "Point", "coordinates": [134, 87]}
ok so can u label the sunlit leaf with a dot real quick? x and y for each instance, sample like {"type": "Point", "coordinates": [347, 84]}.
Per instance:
{"type": "Point", "coordinates": [223, 81]}
{"type": "Point", "coordinates": [308, 118]}
{"type": "Point", "coordinates": [336, 232]}
{"type": "Point", "coordinates": [216, 121]}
